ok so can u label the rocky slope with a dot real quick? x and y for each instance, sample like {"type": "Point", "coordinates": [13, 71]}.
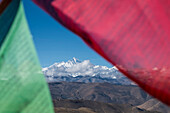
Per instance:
{"type": "Point", "coordinates": [104, 93]}
{"type": "Point", "coordinates": [87, 106]}
{"type": "Point", "coordinates": [156, 105]}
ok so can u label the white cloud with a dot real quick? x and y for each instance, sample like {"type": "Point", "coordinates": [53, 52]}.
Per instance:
{"type": "Point", "coordinates": [77, 68]}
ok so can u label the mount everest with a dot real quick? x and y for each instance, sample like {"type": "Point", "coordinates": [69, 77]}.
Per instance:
{"type": "Point", "coordinates": [84, 71]}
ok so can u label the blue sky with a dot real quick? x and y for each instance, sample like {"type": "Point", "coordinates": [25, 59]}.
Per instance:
{"type": "Point", "coordinates": [53, 42]}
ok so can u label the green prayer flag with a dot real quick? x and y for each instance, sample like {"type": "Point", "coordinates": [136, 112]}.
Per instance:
{"type": "Point", "coordinates": [23, 88]}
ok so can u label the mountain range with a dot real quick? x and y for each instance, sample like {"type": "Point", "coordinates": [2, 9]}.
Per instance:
{"type": "Point", "coordinates": [88, 106]}
{"type": "Point", "coordinates": [77, 86]}
{"type": "Point", "coordinates": [76, 97]}
{"type": "Point", "coordinates": [84, 71]}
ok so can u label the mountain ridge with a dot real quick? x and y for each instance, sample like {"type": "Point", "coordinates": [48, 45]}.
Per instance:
{"type": "Point", "coordinates": [84, 71]}
{"type": "Point", "coordinates": [104, 93]}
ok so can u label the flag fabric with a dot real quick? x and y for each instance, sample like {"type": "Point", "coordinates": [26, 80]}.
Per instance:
{"type": "Point", "coordinates": [23, 88]}
{"type": "Point", "coordinates": [4, 4]}
{"type": "Point", "coordinates": [131, 34]}
{"type": "Point", "coordinates": [9, 14]}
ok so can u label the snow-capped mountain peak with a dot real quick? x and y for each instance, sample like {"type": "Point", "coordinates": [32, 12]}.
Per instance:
{"type": "Point", "coordinates": [75, 60]}
{"type": "Point", "coordinates": [72, 62]}
{"type": "Point", "coordinates": [75, 68]}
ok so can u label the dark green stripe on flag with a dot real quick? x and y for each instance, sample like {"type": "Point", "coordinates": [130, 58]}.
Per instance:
{"type": "Point", "coordinates": [6, 19]}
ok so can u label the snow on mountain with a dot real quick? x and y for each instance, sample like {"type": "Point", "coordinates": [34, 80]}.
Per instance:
{"type": "Point", "coordinates": [83, 71]}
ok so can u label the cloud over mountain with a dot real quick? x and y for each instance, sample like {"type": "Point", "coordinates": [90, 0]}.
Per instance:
{"type": "Point", "coordinates": [83, 71]}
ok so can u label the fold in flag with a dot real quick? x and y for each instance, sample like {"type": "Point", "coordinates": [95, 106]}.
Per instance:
{"type": "Point", "coordinates": [131, 34]}
{"type": "Point", "coordinates": [23, 88]}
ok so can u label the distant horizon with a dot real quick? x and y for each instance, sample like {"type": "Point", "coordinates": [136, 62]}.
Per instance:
{"type": "Point", "coordinates": [53, 42]}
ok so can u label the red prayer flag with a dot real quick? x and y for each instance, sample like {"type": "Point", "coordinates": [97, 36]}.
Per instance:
{"type": "Point", "coordinates": [131, 34]}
